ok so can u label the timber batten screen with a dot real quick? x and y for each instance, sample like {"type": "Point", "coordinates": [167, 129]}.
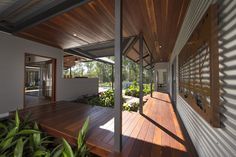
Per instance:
{"type": "Point", "coordinates": [199, 69]}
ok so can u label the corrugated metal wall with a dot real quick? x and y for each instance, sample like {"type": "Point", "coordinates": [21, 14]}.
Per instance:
{"type": "Point", "coordinates": [209, 141]}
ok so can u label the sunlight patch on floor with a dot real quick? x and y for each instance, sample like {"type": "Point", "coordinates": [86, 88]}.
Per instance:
{"type": "Point", "coordinates": [108, 125]}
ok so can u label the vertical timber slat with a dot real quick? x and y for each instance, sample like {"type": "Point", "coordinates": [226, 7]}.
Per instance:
{"type": "Point", "coordinates": [214, 70]}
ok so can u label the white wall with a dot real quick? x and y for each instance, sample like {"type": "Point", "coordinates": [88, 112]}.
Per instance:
{"type": "Point", "coordinates": [162, 65]}
{"type": "Point", "coordinates": [210, 141]}
{"type": "Point", "coordinates": [72, 88]}
{"type": "Point", "coordinates": [12, 51]}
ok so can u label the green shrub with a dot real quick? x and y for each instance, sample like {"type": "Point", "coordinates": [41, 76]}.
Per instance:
{"type": "Point", "coordinates": [105, 84]}
{"type": "Point", "coordinates": [146, 89]}
{"type": "Point", "coordinates": [128, 107]}
{"type": "Point", "coordinates": [134, 91]}
{"type": "Point", "coordinates": [94, 101]}
{"type": "Point", "coordinates": [107, 99]}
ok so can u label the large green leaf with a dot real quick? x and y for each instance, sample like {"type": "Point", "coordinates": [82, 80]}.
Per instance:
{"type": "Point", "coordinates": [8, 140]}
{"type": "Point", "coordinates": [17, 119]}
{"type": "Point", "coordinates": [36, 136]}
{"type": "Point", "coordinates": [18, 151]}
{"type": "Point", "coordinates": [83, 151]}
{"type": "Point", "coordinates": [67, 152]}
{"type": "Point", "coordinates": [46, 140]}
{"type": "Point", "coordinates": [64, 154]}
{"type": "Point", "coordinates": [41, 153]}
{"type": "Point", "coordinates": [28, 132]}
{"type": "Point", "coordinates": [57, 151]}
{"type": "Point", "coordinates": [14, 132]}
{"type": "Point", "coordinates": [82, 134]}
{"type": "Point", "coordinates": [5, 150]}
{"type": "Point", "coordinates": [26, 123]}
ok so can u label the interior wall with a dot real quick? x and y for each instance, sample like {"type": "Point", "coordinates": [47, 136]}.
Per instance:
{"type": "Point", "coordinates": [161, 78]}
{"type": "Point", "coordinates": [12, 55]}
{"type": "Point", "coordinates": [160, 68]}
{"type": "Point", "coordinates": [210, 141]}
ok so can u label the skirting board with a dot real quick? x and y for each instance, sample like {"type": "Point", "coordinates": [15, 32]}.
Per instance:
{"type": "Point", "coordinates": [3, 115]}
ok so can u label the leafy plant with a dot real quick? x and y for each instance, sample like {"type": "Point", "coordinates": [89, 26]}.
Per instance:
{"type": "Point", "coordinates": [65, 150]}
{"type": "Point", "coordinates": [82, 150]}
{"type": "Point", "coordinates": [94, 101]}
{"type": "Point", "coordinates": [24, 139]}
{"type": "Point", "coordinates": [131, 107]}
{"type": "Point", "coordinates": [134, 90]}
{"type": "Point", "coordinates": [14, 137]}
{"type": "Point", "coordinates": [106, 99]}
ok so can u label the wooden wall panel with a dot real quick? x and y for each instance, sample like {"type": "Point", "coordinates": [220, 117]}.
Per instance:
{"type": "Point", "coordinates": [199, 69]}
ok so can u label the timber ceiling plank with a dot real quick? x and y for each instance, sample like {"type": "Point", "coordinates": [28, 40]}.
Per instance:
{"type": "Point", "coordinates": [170, 15]}
{"type": "Point", "coordinates": [158, 20]}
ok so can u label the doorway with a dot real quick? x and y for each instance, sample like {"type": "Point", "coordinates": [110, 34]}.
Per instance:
{"type": "Point", "coordinates": [173, 92]}
{"type": "Point", "coordinates": [39, 82]}
{"type": "Point", "coordinates": [162, 80]}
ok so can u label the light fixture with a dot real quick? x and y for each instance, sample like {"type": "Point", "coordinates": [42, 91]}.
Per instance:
{"type": "Point", "coordinates": [75, 35]}
{"type": "Point", "coordinates": [160, 46]}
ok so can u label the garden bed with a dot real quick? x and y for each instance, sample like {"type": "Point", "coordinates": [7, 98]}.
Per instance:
{"type": "Point", "coordinates": [106, 99]}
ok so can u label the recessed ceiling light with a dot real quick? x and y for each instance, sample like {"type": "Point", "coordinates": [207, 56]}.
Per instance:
{"type": "Point", "coordinates": [160, 46]}
{"type": "Point", "coordinates": [75, 35]}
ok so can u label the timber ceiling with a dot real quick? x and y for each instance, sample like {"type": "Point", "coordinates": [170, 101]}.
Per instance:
{"type": "Point", "coordinates": [158, 20]}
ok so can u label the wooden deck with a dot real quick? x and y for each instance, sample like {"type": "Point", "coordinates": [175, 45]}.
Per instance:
{"type": "Point", "coordinates": [157, 133]}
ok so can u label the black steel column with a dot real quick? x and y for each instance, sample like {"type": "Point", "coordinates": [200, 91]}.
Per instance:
{"type": "Point", "coordinates": [141, 74]}
{"type": "Point", "coordinates": [112, 77]}
{"type": "Point", "coordinates": [151, 74]}
{"type": "Point", "coordinates": [118, 76]}
{"type": "Point", "coordinates": [70, 73]}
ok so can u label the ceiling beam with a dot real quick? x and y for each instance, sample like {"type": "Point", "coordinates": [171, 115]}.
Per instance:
{"type": "Point", "coordinates": [148, 50]}
{"type": "Point", "coordinates": [4, 29]}
{"type": "Point", "coordinates": [37, 18]}
{"type": "Point", "coordinates": [147, 66]}
{"type": "Point", "coordinates": [73, 52]}
{"type": "Point", "coordinates": [143, 57]}
{"type": "Point", "coordinates": [12, 9]}
{"type": "Point", "coordinates": [130, 46]}
{"type": "Point", "coordinates": [79, 52]}
{"type": "Point", "coordinates": [86, 53]}
{"type": "Point", "coordinates": [125, 44]}
{"type": "Point", "coordinates": [100, 48]}
{"type": "Point", "coordinates": [151, 67]}
{"type": "Point", "coordinates": [92, 56]}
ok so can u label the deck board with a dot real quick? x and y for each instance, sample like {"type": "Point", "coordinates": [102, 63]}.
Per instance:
{"type": "Point", "coordinates": [156, 133]}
